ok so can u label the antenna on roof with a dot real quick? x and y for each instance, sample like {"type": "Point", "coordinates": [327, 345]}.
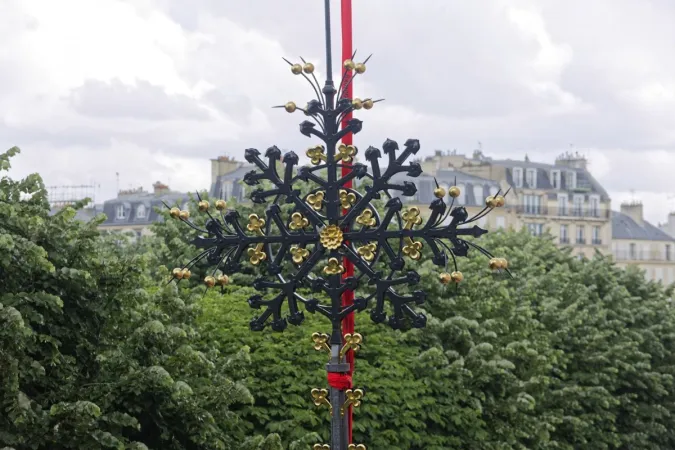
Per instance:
{"type": "Point", "coordinates": [117, 177]}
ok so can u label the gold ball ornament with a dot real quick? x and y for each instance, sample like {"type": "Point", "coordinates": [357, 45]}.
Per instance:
{"type": "Point", "coordinates": [221, 205]}
{"type": "Point", "coordinates": [296, 69]}
{"type": "Point", "coordinates": [357, 103]}
{"type": "Point", "coordinates": [349, 64]}
{"type": "Point", "coordinates": [177, 273]}
{"type": "Point", "coordinates": [457, 276]}
{"type": "Point", "coordinates": [210, 281]}
{"type": "Point", "coordinates": [290, 107]}
{"type": "Point", "coordinates": [490, 202]}
{"type": "Point", "coordinates": [184, 214]}
{"type": "Point", "coordinates": [503, 263]}
{"type": "Point", "coordinates": [186, 274]}
{"type": "Point", "coordinates": [494, 263]}
{"type": "Point", "coordinates": [445, 278]}
{"type": "Point", "coordinates": [439, 192]}
{"type": "Point", "coordinates": [500, 201]}
{"type": "Point", "coordinates": [368, 103]}
{"type": "Point", "coordinates": [454, 192]}
{"type": "Point", "coordinates": [308, 68]}
{"type": "Point", "coordinates": [174, 212]}
{"type": "Point", "coordinates": [203, 206]}
{"type": "Point", "coordinates": [222, 280]}
{"type": "Point", "coordinates": [360, 68]}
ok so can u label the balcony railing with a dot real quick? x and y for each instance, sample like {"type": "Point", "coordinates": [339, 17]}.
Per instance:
{"type": "Point", "coordinates": [626, 255]}
{"type": "Point", "coordinates": [564, 240]}
{"type": "Point", "coordinates": [581, 241]}
{"type": "Point", "coordinates": [596, 241]}
{"type": "Point", "coordinates": [534, 210]}
{"type": "Point", "coordinates": [599, 213]}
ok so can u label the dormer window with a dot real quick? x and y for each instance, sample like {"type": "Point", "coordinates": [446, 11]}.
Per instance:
{"type": "Point", "coordinates": [555, 179]}
{"type": "Point", "coordinates": [531, 178]}
{"type": "Point", "coordinates": [141, 212]}
{"type": "Point", "coordinates": [120, 212]}
{"type": "Point", "coordinates": [571, 179]}
{"type": "Point", "coordinates": [517, 174]}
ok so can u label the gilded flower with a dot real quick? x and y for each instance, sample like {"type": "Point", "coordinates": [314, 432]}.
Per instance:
{"type": "Point", "coordinates": [412, 249]}
{"type": "Point", "coordinates": [367, 252]}
{"type": "Point", "coordinates": [299, 254]}
{"type": "Point", "coordinates": [331, 237]}
{"type": "Point", "coordinates": [412, 217]}
{"type": "Point", "coordinates": [334, 267]}
{"type": "Point", "coordinates": [257, 255]}
{"type": "Point", "coordinates": [366, 218]}
{"type": "Point", "coordinates": [255, 223]}
{"type": "Point", "coordinates": [298, 221]}
{"type": "Point", "coordinates": [316, 200]}
{"type": "Point", "coordinates": [316, 154]}
{"type": "Point", "coordinates": [347, 199]}
{"type": "Point", "coordinates": [346, 153]}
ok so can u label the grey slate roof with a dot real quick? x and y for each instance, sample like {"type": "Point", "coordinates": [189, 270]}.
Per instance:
{"type": "Point", "coordinates": [426, 184]}
{"type": "Point", "coordinates": [132, 203]}
{"type": "Point", "coordinates": [236, 177]}
{"type": "Point", "coordinates": [624, 227]}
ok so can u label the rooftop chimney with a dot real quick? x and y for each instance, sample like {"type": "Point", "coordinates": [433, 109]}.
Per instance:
{"type": "Point", "coordinates": [633, 209]}
{"type": "Point", "coordinates": [160, 188]}
{"type": "Point", "coordinates": [573, 160]}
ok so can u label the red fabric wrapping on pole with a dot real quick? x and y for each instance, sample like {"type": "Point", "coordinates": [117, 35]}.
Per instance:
{"type": "Point", "coordinates": [348, 296]}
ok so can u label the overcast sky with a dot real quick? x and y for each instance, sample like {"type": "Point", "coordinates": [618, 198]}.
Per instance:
{"type": "Point", "coordinates": [153, 89]}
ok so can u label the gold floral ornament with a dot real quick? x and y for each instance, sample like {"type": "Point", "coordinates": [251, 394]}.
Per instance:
{"type": "Point", "coordinates": [334, 267]}
{"type": "Point", "coordinates": [412, 217]}
{"type": "Point", "coordinates": [321, 341]}
{"type": "Point", "coordinates": [347, 199]}
{"type": "Point", "coordinates": [353, 398]}
{"type": "Point", "coordinates": [321, 447]}
{"type": "Point", "coordinates": [412, 249]}
{"type": "Point", "coordinates": [346, 153]}
{"type": "Point", "coordinates": [316, 154]}
{"type": "Point", "coordinates": [255, 224]}
{"type": "Point", "coordinates": [298, 221]}
{"type": "Point", "coordinates": [257, 255]}
{"type": "Point", "coordinates": [320, 397]}
{"type": "Point", "coordinates": [299, 254]}
{"type": "Point", "coordinates": [331, 237]}
{"type": "Point", "coordinates": [356, 447]}
{"type": "Point", "coordinates": [366, 218]}
{"type": "Point", "coordinates": [316, 200]}
{"type": "Point", "coordinates": [352, 342]}
{"type": "Point", "coordinates": [367, 252]}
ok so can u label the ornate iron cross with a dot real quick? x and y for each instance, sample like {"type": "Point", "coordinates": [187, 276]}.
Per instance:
{"type": "Point", "coordinates": [304, 249]}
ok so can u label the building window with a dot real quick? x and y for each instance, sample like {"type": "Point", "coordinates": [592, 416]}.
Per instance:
{"type": "Point", "coordinates": [140, 212]}
{"type": "Point", "coordinates": [570, 180]}
{"type": "Point", "coordinates": [596, 236]}
{"type": "Point", "coordinates": [462, 194]}
{"type": "Point", "coordinates": [632, 253]}
{"type": "Point", "coordinates": [531, 204]}
{"type": "Point", "coordinates": [594, 209]}
{"type": "Point", "coordinates": [668, 255]}
{"type": "Point", "coordinates": [531, 178]}
{"type": "Point", "coordinates": [562, 204]}
{"type": "Point", "coordinates": [577, 205]}
{"type": "Point", "coordinates": [536, 229]}
{"type": "Point", "coordinates": [226, 189]}
{"type": "Point", "coordinates": [518, 177]}
{"type": "Point", "coordinates": [121, 212]}
{"type": "Point", "coordinates": [555, 179]}
{"type": "Point", "coordinates": [564, 234]}
{"type": "Point", "coordinates": [501, 222]}
{"type": "Point", "coordinates": [581, 239]}
{"type": "Point", "coordinates": [478, 194]}
{"type": "Point", "coordinates": [494, 190]}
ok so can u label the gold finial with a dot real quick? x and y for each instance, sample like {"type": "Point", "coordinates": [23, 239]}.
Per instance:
{"type": "Point", "coordinates": [316, 154]}
{"type": "Point", "coordinates": [347, 199]}
{"type": "Point", "coordinates": [177, 273]}
{"type": "Point", "coordinates": [500, 201]}
{"type": "Point", "coordinates": [321, 341]}
{"type": "Point", "coordinates": [346, 153]}
{"type": "Point", "coordinates": [174, 212]}
{"type": "Point", "coordinates": [308, 68]}
{"type": "Point", "coordinates": [412, 217]}
{"type": "Point", "coordinates": [439, 192]}
{"type": "Point", "coordinates": [353, 398]}
{"type": "Point", "coordinates": [454, 192]}
{"type": "Point", "coordinates": [445, 278]}
{"type": "Point", "coordinates": [298, 221]}
{"type": "Point", "coordinates": [298, 254]}
{"type": "Point", "coordinates": [222, 280]}
{"type": "Point", "coordinates": [186, 274]}
{"type": "Point", "coordinates": [334, 267]}
{"type": "Point", "coordinates": [498, 263]}
{"type": "Point", "coordinates": [360, 68]}
{"type": "Point", "coordinates": [493, 264]}
{"type": "Point", "coordinates": [321, 447]}
{"type": "Point", "coordinates": [184, 215]}
{"type": "Point", "coordinates": [352, 342]}
{"type": "Point", "coordinates": [356, 447]}
{"type": "Point", "coordinates": [490, 202]}
{"type": "Point", "coordinates": [203, 206]}
{"type": "Point", "coordinates": [357, 103]}
{"type": "Point", "coordinates": [368, 103]}
{"type": "Point", "coordinates": [412, 249]}
{"type": "Point", "coordinates": [457, 276]}
{"type": "Point", "coordinates": [257, 255]}
{"type": "Point", "coordinates": [349, 64]}
{"type": "Point", "coordinates": [221, 205]}
{"type": "Point", "coordinates": [366, 218]}
{"type": "Point", "coordinates": [320, 397]}
{"type": "Point", "coordinates": [290, 107]}
{"type": "Point", "coordinates": [296, 69]}
{"type": "Point", "coordinates": [210, 281]}
{"type": "Point", "coordinates": [367, 251]}
{"type": "Point", "coordinates": [316, 200]}
{"type": "Point", "coordinates": [255, 224]}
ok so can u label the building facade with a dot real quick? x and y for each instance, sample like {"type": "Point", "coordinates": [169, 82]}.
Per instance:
{"type": "Point", "coordinates": [227, 175]}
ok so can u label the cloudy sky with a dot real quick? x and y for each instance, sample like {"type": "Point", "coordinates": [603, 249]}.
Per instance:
{"type": "Point", "coordinates": [152, 89]}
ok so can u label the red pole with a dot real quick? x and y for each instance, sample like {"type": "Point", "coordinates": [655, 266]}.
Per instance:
{"type": "Point", "coordinates": [348, 296]}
